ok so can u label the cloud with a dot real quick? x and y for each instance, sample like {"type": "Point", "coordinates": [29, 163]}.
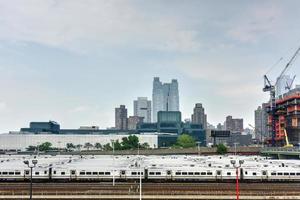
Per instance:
{"type": "Point", "coordinates": [257, 22]}
{"type": "Point", "coordinates": [3, 106]}
{"type": "Point", "coordinates": [76, 24]}
{"type": "Point", "coordinates": [80, 109]}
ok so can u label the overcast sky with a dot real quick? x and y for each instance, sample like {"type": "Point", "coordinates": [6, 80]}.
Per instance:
{"type": "Point", "coordinates": [74, 61]}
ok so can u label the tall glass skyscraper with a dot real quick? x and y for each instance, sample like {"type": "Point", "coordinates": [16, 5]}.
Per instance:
{"type": "Point", "coordinates": [165, 97]}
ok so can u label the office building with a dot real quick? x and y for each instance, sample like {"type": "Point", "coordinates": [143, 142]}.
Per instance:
{"type": "Point", "coordinates": [199, 116]}
{"type": "Point", "coordinates": [261, 122]}
{"type": "Point", "coordinates": [142, 108]}
{"type": "Point", "coordinates": [165, 97]}
{"type": "Point", "coordinates": [121, 122]}
{"type": "Point", "coordinates": [133, 121]}
{"type": "Point", "coordinates": [234, 125]}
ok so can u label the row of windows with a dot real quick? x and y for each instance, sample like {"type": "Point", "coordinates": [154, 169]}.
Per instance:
{"type": "Point", "coordinates": [285, 174]}
{"type": "Point", "coordinates": [136, 173]}
{"type": "Point", "coordinates": [154, 173]}
{"type": "Point", "coordinates": [94, 173]}
{"type": "Point", "coordinates": [10, 173]}
{"type": "Point", "coordinates": [194, 173]}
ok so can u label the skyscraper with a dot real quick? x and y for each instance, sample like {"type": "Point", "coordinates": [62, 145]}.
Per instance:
{"type": "Point", "coordinates": [199, 116]}
{"type": "Point", "coordinates": [165, 96]}
{"type": "Point", "coordinates": [234, 125]}
{"type": "Point", "coordinates": [142, 108]}
{"type": "Point", "coordinates": [133, 122]}
{"type": "Point", "coordinates": [121, 122]}
{"type": "Point", "coordinates": [261, 122]}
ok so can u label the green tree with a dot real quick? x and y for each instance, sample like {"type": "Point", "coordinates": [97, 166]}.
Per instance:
{"type": "Point", "coordinates": [185, 141]}
{"type": "Point", "coordinates": [221, 149]}
{"type": "Point", "coordinates": [107, 147]}
{"type": "Point", "coordinates": [31, 148]}
{"type": "Point", "coordinates": [117, 145]}
{"type": "Point", "coordinates": [130, 142]}
{"type": "Point", "coordinates": [70, 146]}
{"type": "Point", "coordinates": [79, 146]}
{"type": "Point", "coordinates": [145, 146]}
{"type": "Point", "coordinates": [88, 146]}
{"type": "Point", "coordinates": [98, 145]}
{"type": "Point", "coordinates": [46, 146]}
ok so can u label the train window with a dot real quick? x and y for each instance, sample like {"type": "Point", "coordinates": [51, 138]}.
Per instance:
{"type": "Point", "coordinates": [11, 173]}
{"type": "Point", "coordinates": [273, 174]}
{"type": "Point", "coordinates": [140, 174]}
{"type": "Point", "coordinates": [228, 173]}
{"type": "Point", "coordinates": [107, 173]}
{"type": "Point", "coordinates": [133, 173]}
{"type": "Point", "coordinates": [81, 173]}
{"type": "Point", "coordinates": [158, 173]}
{"type": "Point", "coordinates": [191, 173]}
{"type": "Point", "coordinates": [88, 173]}
{"type": "Point", "coordinates": [18, 173]}
{"type": "Point", "coordinates": [26, 172]}
{"type": "Point", "coordinates": [0, 173]}
{"type": "Point", "coordinates": [292, 174]}
{"type": "Point", "coordinates": [184, 173]}
{"type": "Point", "coordinates": [168, 172]}
{"type": "Point", "coordinates": [178, 173]}
{"type": "Point", "coordinates": [286, 174]}
{"type": "Point", "coordinates": [101, 173]}
{"type": "Point", "coordinates": [73, 172]}
{"type": "Point", "coordinates": [4, 173]}
{"type": "Point", "coordinates": [95, 173]}
{"type": "Point", "coordinates": [279, 174]}
{"type": "Point", "coordinates": [62, 173]}
{"type": "Point", "coordinates": [203, 173]}
{"type": "Point", "coordinates": [264, 173]}
{"type": "Point", "coordinates": [197, 173]}
{"type": "Point", "coordinates": [54, 172]}
{"type": "Point", "coordinates": [246, 172]}
{"type": "Point", "coordinates": [123, 172]}
{"type": "Point", "coordinates": [209, 164]}
{"type": "Point", "coordinates": [226, 165]}
{"type": "Point", "coordinates": [209, 173]}
{"type": "Point", "coordinates": [151, 173]}
{"type": "Point", "coordinates": [298, 174]}
{"type": "Point", "coordinates": [37, 173]}
{"type": "Point", "coordinates": [45, 172]}
{"type": "Point", "coordinates": [218, 173]}
{"type": "Point", "coordinates": [254, 173]}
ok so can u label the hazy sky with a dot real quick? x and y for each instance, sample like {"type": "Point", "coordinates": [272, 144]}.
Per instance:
{"type": "Point", "coordinates": [74, 61]}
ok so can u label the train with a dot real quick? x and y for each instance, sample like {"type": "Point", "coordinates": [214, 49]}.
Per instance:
{"type": "Point", "coordinates": [148, 168]}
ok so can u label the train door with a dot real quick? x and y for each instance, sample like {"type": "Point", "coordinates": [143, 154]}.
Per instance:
{"type": "Point", "coordinates": [123, 174]}
{"type": "Point", "coordinates": [26, 174]}
{"type": "Point", "coordinates": [73, 174]}
{"type": "Point", "coordinates": [264, 175]}
{"type": "Point", "coordinates": [146, 174]}
{"type": "Point", "coordinates": [241, 175]}
{"type": "Point", "coordinates": [169, 175]}
{"type": "Point", "coordinates": [50, 173]}
{"type": "Point", "coordinates": [219, 175]}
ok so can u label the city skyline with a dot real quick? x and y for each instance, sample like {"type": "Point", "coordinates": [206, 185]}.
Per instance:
{"type": "Point", "coordinates": [74, 62]}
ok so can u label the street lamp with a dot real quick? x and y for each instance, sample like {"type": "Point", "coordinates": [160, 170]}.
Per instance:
{"type": "Point", "coordinates": [140, 166]}
{"type": "Point", "coordinates": [235, 147]}
{"type": "Point", "coordinates": [31, 166]}
{"type": "Point", "coordinates": [237, 166]}
{"type": "Point", "coordinates": [113, 146]}
{"type": "Point", "coordinates": [198, 143]}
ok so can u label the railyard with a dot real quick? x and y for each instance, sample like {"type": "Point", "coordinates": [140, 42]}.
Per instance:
{"type": "Point", "coordinates": [130, 190]}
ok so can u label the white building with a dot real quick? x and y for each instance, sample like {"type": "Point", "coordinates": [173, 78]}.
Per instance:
{"type": "Point", "coordinates": [18, 141]}
{"type": "Point", "coordinates": [142, 108]}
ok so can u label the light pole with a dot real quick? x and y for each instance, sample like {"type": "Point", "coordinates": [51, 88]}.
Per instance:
{"type": "Point", "coordinates": [234, 164]}
{"type": "Point", "coordinates": [113, 146]}
{"type": "Point", "coordinates": [199, 150]}
{"type": "Point", "coordinates": [235, 147]}
{"type": "Point", "coordinates": [140, 165]}
{"type": "Point", "coordinates": [31, 166]}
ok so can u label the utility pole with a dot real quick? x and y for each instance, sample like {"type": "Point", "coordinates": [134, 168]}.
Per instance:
{"type": "Point", "coordinates": [233, 162]}
{"type": "Point", "coordinates": [34, 162]}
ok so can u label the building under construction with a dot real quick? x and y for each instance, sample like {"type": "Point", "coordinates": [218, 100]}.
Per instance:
{"type": "Point", "coordinates": [286, 117]}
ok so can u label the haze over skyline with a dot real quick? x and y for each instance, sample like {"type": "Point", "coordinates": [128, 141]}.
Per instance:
{"type": "Point", "coordinates": [75, 61]}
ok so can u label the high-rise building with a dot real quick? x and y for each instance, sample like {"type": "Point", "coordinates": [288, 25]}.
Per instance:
{"type": "Point", "coordinates": [142, 108]}
{"type": "Point", "coordinates": [133, 121]}
{"type": "Point", "coordinates": [199, 116]}
{"type": "Point", "coordinates": [121, 122]}
{"type": "Point", "coordinates": [258, 120]}
{"type": "Point", "coordinates": [165, 97]}
{"type": "Point", "coordinates": [234, 125]}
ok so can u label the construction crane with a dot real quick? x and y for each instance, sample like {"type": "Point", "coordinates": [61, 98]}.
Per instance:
{"type": "Point", "coordinates": [260, 132]}
{"type": "Point", "coordinates": [269, 87]}
{"type": "Point", "coordinates": [287, 143]}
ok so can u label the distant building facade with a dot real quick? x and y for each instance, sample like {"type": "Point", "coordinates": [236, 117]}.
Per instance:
{"type": "Point", "coordinates": [36, 127]}
{"type": "Point", "coordinates": [199, 116]}
{"type": "Point", "coordinates": [142, 108]}
{"type": "Point", "coordinates": [165, 97]}
{"type": "Point", "coordinates": [283, 85]}
{"type": "Point", "coordinates": [234, 125]}
{"type": "Point", "coordinates": [133, 121]}
{"type": "Point", "coordinates": [121, 122]}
